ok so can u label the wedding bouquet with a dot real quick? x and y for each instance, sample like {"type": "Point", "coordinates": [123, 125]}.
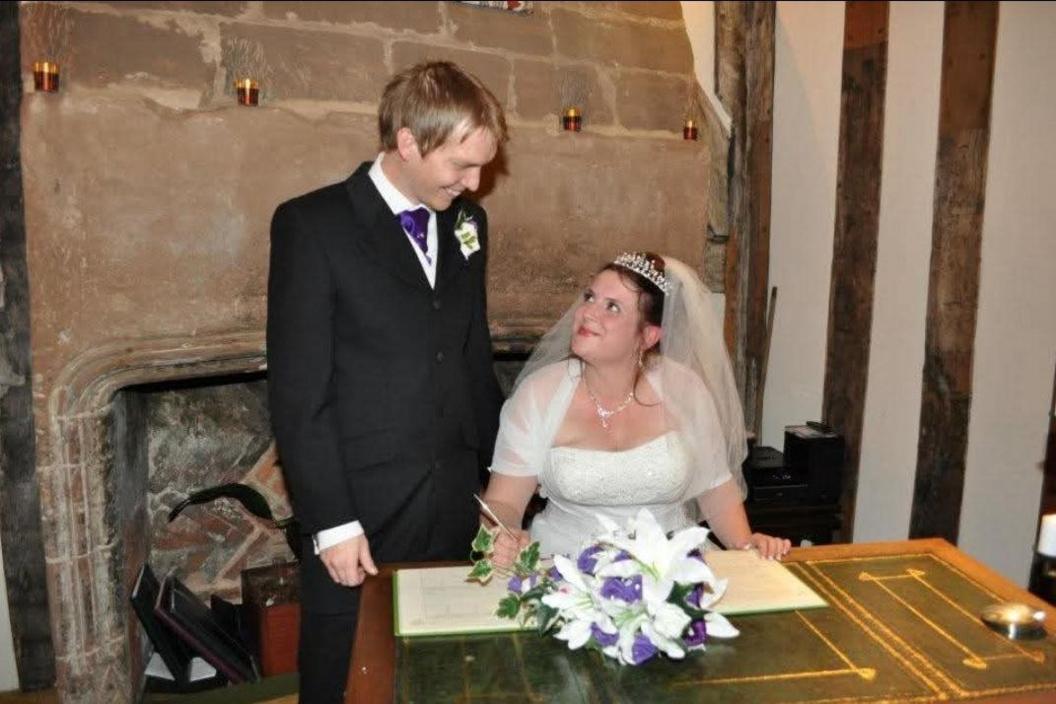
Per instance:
{"type": "Point", "coordinates": [630, 594]}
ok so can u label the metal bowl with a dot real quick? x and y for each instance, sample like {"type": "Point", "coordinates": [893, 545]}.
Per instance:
{"type": "Point", "coordinates": [1015, 620]}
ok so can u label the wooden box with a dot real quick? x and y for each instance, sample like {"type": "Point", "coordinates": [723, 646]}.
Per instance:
{"type": "Point", "coordinates": [272, 606]}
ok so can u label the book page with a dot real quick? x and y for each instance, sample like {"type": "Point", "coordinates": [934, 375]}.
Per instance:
{"type": "Point", "coordinates": [439, 600]}
{"type": "Point", "coordinates": [757, 585]}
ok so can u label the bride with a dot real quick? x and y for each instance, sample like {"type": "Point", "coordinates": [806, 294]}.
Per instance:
{"type": "Point", "coordinates": [627, 402]}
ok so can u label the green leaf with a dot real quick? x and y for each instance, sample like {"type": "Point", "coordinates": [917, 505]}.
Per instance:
{"type": "Point", "coordinates": [484, 541]}
{"type": "Point", "coordinates": [509, 606]}
{"type": "Point", "coordinates": [528, 558]}
{"type": "Point", "coordinates": [481, 571]}
{"type": "Point", "coordinates": [546, 617]}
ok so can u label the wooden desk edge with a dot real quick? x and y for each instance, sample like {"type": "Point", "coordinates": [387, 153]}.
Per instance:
{"type": "Point", "coordinates": [373, 670]}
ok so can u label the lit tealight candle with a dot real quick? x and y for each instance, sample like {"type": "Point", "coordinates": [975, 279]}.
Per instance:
{"type": "Point", "coordinates": [689, 130]}
{"type": "Point", "coordinates": [248, 91]}
{"type": "Point", "coordinates": [46, 76]}
{"type": "Point", "coordinates": [572, 120]}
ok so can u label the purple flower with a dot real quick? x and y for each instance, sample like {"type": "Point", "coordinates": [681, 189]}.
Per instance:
{"type": "Point", "coordinates": [642, 650]}
{"type": "Point", "coordinates": [628, 590]}
{"type": "Point", "coordinates": [587, 560]}
{"type": "Point", "coordinates": [516, 583]}
{"type": "Point", "coordinates": [601, 637]}
{"type": "Point", "coordinates": [622, 555]}
{"type": "Point", "coordinates": [554, 575]}
{"type": "Point", "coordinates": [693, 598]}
{"type": "Point", "coordinates": [696, 634]}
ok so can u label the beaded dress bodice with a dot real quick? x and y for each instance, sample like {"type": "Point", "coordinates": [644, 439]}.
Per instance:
{"type": "Point", "coordinates": [581, 483]}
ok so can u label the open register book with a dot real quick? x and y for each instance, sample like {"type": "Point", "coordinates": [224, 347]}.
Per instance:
{"type": "Point", "coordinates": [439, 600]}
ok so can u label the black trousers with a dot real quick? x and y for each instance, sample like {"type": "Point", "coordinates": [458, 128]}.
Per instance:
{"type": "Point", "coordinates": [324, 654]}
{"type": "Point", "coordinates": [438, 522]}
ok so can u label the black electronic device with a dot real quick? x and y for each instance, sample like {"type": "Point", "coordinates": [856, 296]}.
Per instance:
{"type": "Point", "coordinates": [769, 479]}
{"type": "Point", "coordinates": [816, 452]}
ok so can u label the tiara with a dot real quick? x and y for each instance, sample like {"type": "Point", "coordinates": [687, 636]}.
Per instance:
{"type": "Point", "coordinates": [643, 266]}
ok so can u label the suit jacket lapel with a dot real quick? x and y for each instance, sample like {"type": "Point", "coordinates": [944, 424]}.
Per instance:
{"type": "Point", "coordinates": [450, 261]}
{"type": "Point", "coordinates": [382, 235]}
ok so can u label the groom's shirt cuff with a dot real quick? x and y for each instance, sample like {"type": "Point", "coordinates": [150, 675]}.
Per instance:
{"type": "Point", "coordinates": [332, 536]}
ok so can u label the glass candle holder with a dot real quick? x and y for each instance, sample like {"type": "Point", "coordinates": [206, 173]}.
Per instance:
{"type": "Point", "coordinates": [46, 76]}
{"type": "Point", "coordinates": [572, 120]}
{"type": "Point", "coordinates": [248, 91]}
{"type": "Point", "coordinates": [689, 130]}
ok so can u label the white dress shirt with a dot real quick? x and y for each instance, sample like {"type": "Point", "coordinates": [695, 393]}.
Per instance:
{"type": "Point", "coordinates": [397, 203]}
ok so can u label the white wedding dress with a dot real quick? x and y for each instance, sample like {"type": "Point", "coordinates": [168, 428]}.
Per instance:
{"type": "Point", "coordinates": [582, 483]}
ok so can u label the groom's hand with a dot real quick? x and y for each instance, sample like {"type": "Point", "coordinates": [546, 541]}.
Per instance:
{"type": "Point", "coordinates": [349, 561]}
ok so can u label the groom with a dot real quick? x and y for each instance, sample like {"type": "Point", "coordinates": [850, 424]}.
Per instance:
{"type": "Point", "coordinates": [383, 398]}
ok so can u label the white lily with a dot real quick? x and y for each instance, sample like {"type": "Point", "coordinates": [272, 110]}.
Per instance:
{"type": "Point", "coordinates": [719, 627]}
{"type": "Point", "coordinates": [661, 562]}
{"type": "Point", "coordinates": [576, 602]}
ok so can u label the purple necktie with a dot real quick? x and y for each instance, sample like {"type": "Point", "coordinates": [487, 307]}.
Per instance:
{"type": "Point", "coordinates": [416, 224]}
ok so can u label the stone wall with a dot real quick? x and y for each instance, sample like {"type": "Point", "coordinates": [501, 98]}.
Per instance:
{"type": "Point", "coordinates": [148, 191]}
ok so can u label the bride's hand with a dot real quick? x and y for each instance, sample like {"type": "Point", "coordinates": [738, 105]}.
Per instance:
{"type": "Point", "coordinates": [507, 547]}
{"type": "Point", "coordinates": [769, 547]}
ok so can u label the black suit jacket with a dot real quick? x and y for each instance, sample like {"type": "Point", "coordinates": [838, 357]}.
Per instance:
{"type": "Point", "coordinates": [382, 392]}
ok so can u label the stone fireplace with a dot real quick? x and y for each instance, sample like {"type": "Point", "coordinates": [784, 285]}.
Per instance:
{"type": "Point", "coordinates": [95, 520]}
{"type": "Point", "coordinates": [100, 524]}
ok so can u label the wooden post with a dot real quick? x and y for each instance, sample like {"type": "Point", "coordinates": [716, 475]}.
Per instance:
{"type": "Point", "coordinates": [861, 150]}
{"type": "Point", "coordinates": [744, 38]}
{"type": "Point", "coordinates": [19, 488]}
{"type": "Point", "coordinates": [968, 43]}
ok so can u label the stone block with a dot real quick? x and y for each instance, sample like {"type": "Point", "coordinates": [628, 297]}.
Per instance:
{"type": "Point", "coordinates": [587, 196]}
{"type": "Point", "coordinates": [652, 101]}
{"type": "Point", "coordinates": [516, 32]}
{"type": "Point", "coordinates": [421, 17]}
{"type": "Point", "coordinates": [542, 89]}
{"type": "Point", "coordinates": [304, 64]}
{"type": "Point", "coordinates": [104, 49]}
{"type": "Point", "coordinates": [492, 69]}
{"type": "Point", "coordinates": [654, 10]}
{"type": "Point", "coordinates": [618, 42]}
{"type": "Point", "coordinates": [645, 10]}
{"type": "Point", "coordinates": [226, 9]}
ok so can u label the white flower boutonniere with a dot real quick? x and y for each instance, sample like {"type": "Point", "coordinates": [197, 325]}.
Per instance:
{"type": "Point", "coordinates": [466, 234]}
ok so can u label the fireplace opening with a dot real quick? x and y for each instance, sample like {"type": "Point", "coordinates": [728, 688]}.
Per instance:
{"type": "Point", "coordinates": [170, 438]}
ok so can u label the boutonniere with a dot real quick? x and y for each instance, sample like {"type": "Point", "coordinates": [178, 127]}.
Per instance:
{"type": "Point", "coordinates": [466, 233]}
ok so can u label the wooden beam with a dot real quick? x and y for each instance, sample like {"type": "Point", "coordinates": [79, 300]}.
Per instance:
{"type": "Point", "coordinates": [744, 36]}
{"type": "Point", "coordinates": [20, 529]}
{"type": "Point", "coordinates": [968, 43]}
{"type": "Point", "coordinates": [859, 164]}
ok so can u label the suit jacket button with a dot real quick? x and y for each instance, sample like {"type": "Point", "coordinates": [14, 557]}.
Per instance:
{"type": "Point", "coordinates": [436, 304]}
{"type": "Point", "coordinates": [439, 357]}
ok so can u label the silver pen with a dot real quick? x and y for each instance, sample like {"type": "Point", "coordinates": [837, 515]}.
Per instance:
{"type": "Point", "coordinates": [491, 514]}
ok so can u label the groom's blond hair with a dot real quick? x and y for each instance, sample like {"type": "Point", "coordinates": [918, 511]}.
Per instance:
{"type": "Point", "coordinates": [433, 100]}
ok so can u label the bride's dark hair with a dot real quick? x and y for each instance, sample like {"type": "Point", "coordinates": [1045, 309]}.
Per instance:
{"type": "Point", "coordinates": [650, 304]}
{"type": "Point", "coordinates": [650, 297]}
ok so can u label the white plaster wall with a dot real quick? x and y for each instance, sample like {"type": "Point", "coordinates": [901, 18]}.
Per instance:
{"type": "Point", "coordinates": [8, 670]}
{"type": "Point", "coordinates": [699, 16]}
{"type": "Point", "coordinates": [896, 358]}
{"type": "Point", "coordinates": [807, 71]}
{"type": "Point", "coordinates": [1015, 345]}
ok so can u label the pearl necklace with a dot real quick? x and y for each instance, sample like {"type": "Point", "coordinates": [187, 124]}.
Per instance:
{"type": "Point", "coordinates": [603, 413]}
